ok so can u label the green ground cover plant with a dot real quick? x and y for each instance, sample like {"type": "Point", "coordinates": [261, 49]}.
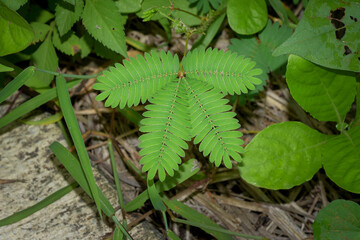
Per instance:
{"type": "Point", "coordinates": [187, 95]}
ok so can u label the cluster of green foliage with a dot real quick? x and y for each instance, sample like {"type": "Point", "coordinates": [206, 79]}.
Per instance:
{"type": "Point", "coordinates": [187, 95]}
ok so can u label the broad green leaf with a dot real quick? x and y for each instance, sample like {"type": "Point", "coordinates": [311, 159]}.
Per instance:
{"type": "Point", "coordinates": [38, 206]}
{"type": "Point", "coordinates": [75, 133]}
{"type": "Point", "coordinates": [73, 166]}
{"type": "Point", "coordinates": [328, 35]}
{"type": "Point", "coordinates": [196, 217]}
{"type": "Point", "coordinates": [16, 83]}
{"type": "Point", "coordinates": [247, 17]}
{"type": "Point", "coordinates": [32, 104]}
{"type": "Point", "coordinates": [40, 30]}
{"type": "Point", "coordinates": [16, 33]}
{"type": "Point", "coordinates": [326, 94]}
{"type": "Point", "coordinates": [342, 159]}
{"type": "Point", "coordinates": [338, 220]}
{"type": "Point", "coordinates": [67, 14]}
{"type": "Point", "coordinates": [128, 6]}
{"type": "Point", "coordinates": [86, 43]}
{"type": "Point", "coordinates": [104, 52]}
{"type": "Point", "coordinates": [44, 58]}
{"type": "Point", "coordinates": [282, 156]}
{"type": "Point", "coordinates": [68, 43]}
{"type": "Point", "coordinates": [105, 24]}
{"type": "Point", "coordinates": [14, 4]}
{"type": "Point", "coordinates": [4, 68]}
{"type": "Point", "coordinates": [186, 170]}
{"type": "Point", "coordinates": [261, 49]}
{"type": "Point", "coordinates": [357, 116]}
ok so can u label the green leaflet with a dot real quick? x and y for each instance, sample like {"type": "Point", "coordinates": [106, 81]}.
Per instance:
{"type": "Point", "coordinates": [212, 124]}
{"type": "Point", "coordinates": [328, 35]}
{"type": "Point", "coordinates": [186, 102]}
{"type": "Point", "coordinates": [138, 79]}
{"type": "Point", "coordinates": [168, 131]}
{"type": "Point", "coordinates": [105, 24]}
{"type": "Point", "coordinates": [326, 94]}
{"type": "Point", "coordinates": [226, 71]}
{"type": "Point", "coordinates": [342, 159]}
{"type": "Point", "coordinates": [338, 220]}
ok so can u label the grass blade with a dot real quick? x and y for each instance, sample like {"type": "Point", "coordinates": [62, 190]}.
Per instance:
{"type": "Point", "coordinates": [38, 206]}
{"type": "Point", "coordinates": [32, 104]}
{"type": "Point", "coordinates": [16, 83]}
{"type": "Point", "coordinates": [48, 120]}
{"type": "Point", "coordinates": [186, 170]}
{"type": "Point", "coordinates": [73, 166]}
{"type": "Point", "coordinates": [71, 122]}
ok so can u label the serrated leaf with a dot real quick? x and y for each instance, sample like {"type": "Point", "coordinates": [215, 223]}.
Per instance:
{"type": "Point", "coordinates": [66, 14]}
{"type": "Point", "coordinates": [261, 50]}
{"type": "Point", "coordinates": [342, 159]}
{"type": "Point", "coordinates": [14, 4]}
{"type": "Point", "coordinates": [40, 30]}
{"type": "Point", "coordinates": [338, 220]}
{"type": "Point", "coordinates": [86, 43]}
{"type": "Point", "coordinates": [104, 52]}
{"type": "Point", "coordinates": [105, 24]}
{"type": "Point", "coordinates": [164, 4]}
{"type": "Point", "coordinates": [274, 157]}
{"type": "Point", "coordinates": [128, 6]}
{"type": "Point", "coordinates": [45, 58]}
{"type": "Point", "coordinates": [68, 43]}
{"type": "Point", "coordinates": [16, 32]}
{"type": "Point", "coordinates": [328, 35]}
{"type": "Point", "coordinates": [326, 94]}
{"type": "Point", "coordinates": [247, 17]}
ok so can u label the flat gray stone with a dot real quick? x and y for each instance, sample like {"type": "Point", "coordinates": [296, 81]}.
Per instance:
{"type": "Point", "coordinates": [25, 156]}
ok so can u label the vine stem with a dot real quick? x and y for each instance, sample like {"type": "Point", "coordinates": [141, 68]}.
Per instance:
{"type": "Point", "coordinates": [187, 42]}
{"type": "Point", "coordinates": [67, 75]}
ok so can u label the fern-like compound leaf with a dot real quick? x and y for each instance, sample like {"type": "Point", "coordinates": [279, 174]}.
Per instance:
{"type": "Point", "coordinates": [226, 71]}
{"type": "Point", "coordinates": [137, 79]}
{"type": "Point", "coordinates": [212, 125]}
{"type": "Point", "coordinates": [167, 128]}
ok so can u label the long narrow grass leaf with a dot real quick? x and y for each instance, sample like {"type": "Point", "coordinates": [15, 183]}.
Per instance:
{"type": "Point", "coordinates": [38, 206]}
{"type": "Point", "coordinates": [196, 217]}
{"type": "Point", "coordinates": [71, 122]}
{"type": "Point", "coordinates": [121, 227]}
{"type": "Point", "coordinates": [73, 166]}
{"type": "Point", "coordinates": [16, 83]}
{"type": "Point", "coordinates": [32, 104]}
{"type": "Point", "coordinates": [216, 229]}
{"type": "Point", "coordinates": [186, 170]}
{"type": "Point", "coordinates": [48, 120]}
{"type": "Point", "coordinates": [116, 177]}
